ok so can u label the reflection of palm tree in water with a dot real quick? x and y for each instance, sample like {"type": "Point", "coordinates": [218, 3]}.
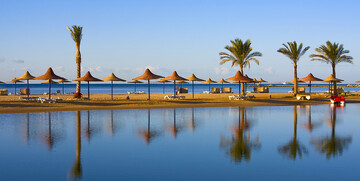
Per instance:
{"type": "Point", "coordinates": [334, 145]}
{"type": "Point", "coordinates": [239, 147]}
{"type": "Point", "coordinates": [147, 134]}
{"type": "Point", "coordinates": [294, 148]}
{"type": "Point", "coordinates": [76, 171]}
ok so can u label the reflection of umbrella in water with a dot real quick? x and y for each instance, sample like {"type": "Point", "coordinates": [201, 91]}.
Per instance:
{"type": "Point", "coordinates": [47, 76]}
{"type": "Point", "coordinates": [240, 146]}
{"type": "Point", "coordinates": [63, 81]}
{"type": "Point", "coordinates": [294, 148]}
{"type": "Point", "coordinates": [174, 128]}
{"type": "Point", "coordinates": [331, 79]}
{"type": "Point", "coordinates": [209, 81]}
{"type": "Point", "coordinates": [76, 171]}
{"type": "Point", "coordinates": [239, 78]}
{"type": "Point", "coordinates": [309, 125]}
{"type": "Point", "coordinates": [27, 76]}
{"type": "Point", "coordinates": [193, 78]}
{"type": "Point", "coordinates": [14, 80]}
{"type": "Point", "coordinates": [88, 78]}
{"type": "Point", "coordinates": [112, 125]}
{"type": "Point", "coordinates": [147, 134]}
{"type": "Point", "coordinates": [49, 138]}
{"type": "Point", "coordinates": [192, 124]}
{"type": "Point", "coordinates": [88, 130]}
{"type": "Point", "coordinates": [222, 81]}
{"type": "Point", "coordinates": [112, 78]}
{"type": "Point", "coordinates": [310, 78]}
{"type": "Point", "coordinates": [163, 82]}
{"type": "Point", "coordinates": [174, 77]}
{"type": "Point", "coordinates": [334, 145]}
{"type": "Point", "coordinates": [148, 75]}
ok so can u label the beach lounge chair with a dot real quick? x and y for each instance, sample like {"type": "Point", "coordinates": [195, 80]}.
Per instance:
{"type": "Point", "coordinates": [29, 98]}
{"type": "Point", "coordinates": [226, 90]}
{"type": "Point", "coordinates": [234, 97]}
{"type": "Point", "coordinates": [215, 90]}
{"type": "Point", "coordinates": [303, 97]}
{"type": "Point", "coordinates": [44, 100]}
{"type": "Point", "coordinates": [3, 92]}
{"type": "Point", "coordinates": [206, 92]}
{"type": "Point", "coordinates": [137, 92]}
{"type": "Point", "coordinates": [174, 97]}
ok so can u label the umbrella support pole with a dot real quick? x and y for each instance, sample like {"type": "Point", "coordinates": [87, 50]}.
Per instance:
{"type": "Point", "coordinates": [192, 89]}
{"type": "Point", "coordinates": [88, 90]}
{"type": "Point", "coordinates": [112, 90]}
{"type": "Point", "coordinates": [63, 88]}
{"type": "Point", "coordinates": [239, 89]}
{"type": "Point", "coordinates": [28, 89]}
{"type": "Point", "coordinates": [163, 87]}
{"type": "Point", "coordinates": [49, 88]}
{"type": "Point", "coordinates": [15, 89]}
{"type": "Point", "coordinates": [174, 87]}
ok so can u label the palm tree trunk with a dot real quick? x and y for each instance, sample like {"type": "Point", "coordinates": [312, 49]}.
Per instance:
{"type": "Point", "coordinates": [295, 79]}
{"type": "Point", "coordinates": [334, 74]}
{"type": "Point", "coordinates": [78, 69]}
{"type": "Point", "coordinates": [242, 84]}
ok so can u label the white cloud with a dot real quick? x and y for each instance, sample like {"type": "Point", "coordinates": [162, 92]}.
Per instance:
{"type": "Point", "coordinates": [98, 69]}
{"type": "Point", "coordinates": [221, 71]}
{"type": "Point", "coordinates": [18, 60]}
{"type": "Point", "coordinates": [59, 69]}
{"type": "Point", "coordinates": [140, 70]}
{"type": "Point", "coordinates": [268, 70]}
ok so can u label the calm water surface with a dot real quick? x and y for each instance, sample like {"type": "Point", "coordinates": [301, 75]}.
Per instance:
{"type": "Point", "coordinates": [259, 143]}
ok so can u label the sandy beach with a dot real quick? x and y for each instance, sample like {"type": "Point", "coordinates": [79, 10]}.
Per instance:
{"type": "Point", "coordinates": [12, 104]}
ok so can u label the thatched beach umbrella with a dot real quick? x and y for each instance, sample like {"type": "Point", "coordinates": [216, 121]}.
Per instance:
{"type": "Point", "coordinates": [239, 78]}
{"type": "Point", "coordinates": [49, 81]}
{"type": "Point", "coordinates": [209, 81]}
{"type": "Point", "coordinates": [27, 76]}
{"type": "Point", "coordinates": [181, 82]}
{"type": "Point", "coordinates": [112, 78]}
{"type": "Point", "coordinates": [331, 79]}
{"type": "Point", "coordinates": [63, 81]}
{"type": "Point", "coordinates": [148, 75]}
{"type": "Point", "coordinates": [1, 82]}
{"type": "Point", "coordinates": [310, 78]}
{"type": "Point", "coordinates": [49, 74]}
{"type": "Point", "coordinates": [14, 80]}
{"type": "Point", "coordinates": [293, 81]}
{"type": "Point", "coordinates": [261, 80]}
{"type": "Point", "coordinates": [135, 82]}
{"type": "Point", "coordinates": [193, 78]}
{"type": "Point", "coordinates": [252, 80]}
{"type": "Point", "coordinates": [88, 78]}
{"type": "Point", "coordinates": [174, 77]}
{"type": "Point", "coordinates": [163, 82]}
{"type": "Point", "coordinates": [222, 81]}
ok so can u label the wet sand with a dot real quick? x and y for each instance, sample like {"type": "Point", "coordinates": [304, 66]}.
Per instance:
{"type": "Point", "coordinates": [12, 104]}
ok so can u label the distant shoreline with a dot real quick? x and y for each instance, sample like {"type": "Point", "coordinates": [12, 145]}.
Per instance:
{"type": "Point", "coordinates": [11, 104]}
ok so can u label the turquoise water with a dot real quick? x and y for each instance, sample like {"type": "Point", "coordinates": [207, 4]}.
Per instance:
{"type": "Point", "coordinates": [257, 143]}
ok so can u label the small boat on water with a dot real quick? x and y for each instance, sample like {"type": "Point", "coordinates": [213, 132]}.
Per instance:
{"type": "Point", "coordinates": [337, 100]}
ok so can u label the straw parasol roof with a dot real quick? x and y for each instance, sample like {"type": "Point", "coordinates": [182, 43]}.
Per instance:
{"type": "Point", "coordinates": [209, 81]}
{"type": "Point", "coordinates": [293, 81]}
{"type": "Point", "coordinates": [331, 78]}
{"type": "Point", "coordinates": [310, 77]}
{"type": "Point", "coordinates": [51, 81]}
{"type": "Point", "coordinates": [112, 77]}
{"type": "Point", "coordinates": [255, 81]}
{"type": "Point", "coordinates": [174, 76]}
{"type": "Point", "coordinates": [26, 76]}
{"type": "Point", "coordinates": [246, 76]}
{"type": "Point", "coordinates": [1, 82]}
{"type": "Point", "coordinates": [238, 77]}
{"type": "Point", "coordinates": [87, 77]}
{"type": "Point", "coordinates": [194, 78]}
{"type": "Point", "coordinates": [49, 74]}
{"type": "Point", "coordinates": [14, 80]}
{"type": "Point", "coordinates": [163, 81]}
{"type": "Point", "coordinates": [358, 81]}
{"type": "Point", "coordinates": [181, 82]}
{"type": "Point", "coordinates": [148, 75]}
{"type": "Point", "coordinates": [62, 81]}
{"type": "Point", "coordinates": [222, 81]}
{"type": "Point", "coordinates": [261, 80]}
{"type": "Point", "coordinates": [135, 81]}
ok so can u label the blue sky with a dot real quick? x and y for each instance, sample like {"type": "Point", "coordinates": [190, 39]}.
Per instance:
{"type": "Point", "coordinates": [125, 37]}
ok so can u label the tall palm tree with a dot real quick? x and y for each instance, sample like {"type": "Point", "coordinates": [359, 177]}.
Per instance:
{"type": "Point", "coordinates": [332, 53]}
{"type": "Point", "coordinates": [294, 52]}
{"type": "Point", "coordinates": [76, 34]}
{"type": "Point", "coordinates": [240, 55]}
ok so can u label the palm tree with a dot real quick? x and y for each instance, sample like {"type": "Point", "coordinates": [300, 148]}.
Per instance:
{"type": "Point", "coordinates": [332, 53]}
{"type": "Point", "coordinates": [76, 34]}
{"type": "Point", "coordinates": [294, 52]}
{"type": "Point", "coordinates": [240, 55]}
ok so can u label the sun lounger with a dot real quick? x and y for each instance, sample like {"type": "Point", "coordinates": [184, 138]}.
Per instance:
{"type": "Point", "coordinates": [206, 92]}
{"type": "Point", "coordinates": [137, 92]}
{"type": "Point", "coordinates": [29, 98]}
{"type": "Point", "coordinates": [303, 97]}
{"type": "Point", "coordinates": [44, 100]}
{"type": "Point", "coordinates": [240, 97]}
{"type": "Point", "coordinates": [173, 97]}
